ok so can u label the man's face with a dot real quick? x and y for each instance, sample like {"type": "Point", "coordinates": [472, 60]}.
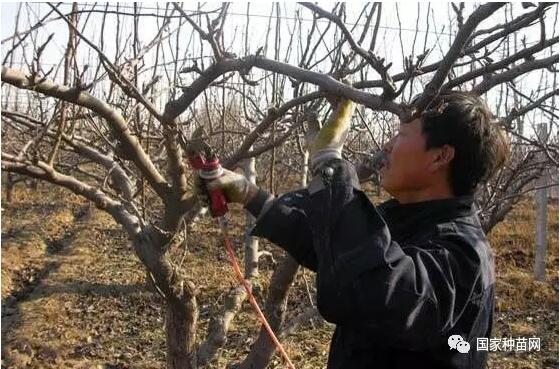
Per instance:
{"type": "Point", "coordinates": [409, 166]}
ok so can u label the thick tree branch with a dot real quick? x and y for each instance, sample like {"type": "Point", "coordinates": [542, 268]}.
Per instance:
{"type": "Point", "coordinates": [504, 63]}
{"type": "Point", "coordinates": [42, 171]}
{"type": "Point", "coordinates": [389, 88]}
{"type": "Point", "coordinates": [327, 84]}
{"type": "Point", "coordinates": [524, 21]}
{"type": "Point", "coordinates": [516, 113]}
{"type": "Point", "coordinates": [117, 123]}
{"type": "Point", "coordinates": [276, 301]}
{"type": "Point", "coordinates": [80, 146]}
{"type": "Point", "coordinates": [433, 88]}
{"type": "Point", "coordinates": [508, 28]}
{"type": "Point", "coordinates": [514, 72]}
{"type": "Point", "coordinates": [219, 325]}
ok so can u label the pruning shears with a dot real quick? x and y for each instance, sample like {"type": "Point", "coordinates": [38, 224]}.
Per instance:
{"type": "Point", "coordinates": [202, 158]}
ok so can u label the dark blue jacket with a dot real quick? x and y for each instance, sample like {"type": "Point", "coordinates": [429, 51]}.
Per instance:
{"type": "Point", "coordinates": [397, 280]}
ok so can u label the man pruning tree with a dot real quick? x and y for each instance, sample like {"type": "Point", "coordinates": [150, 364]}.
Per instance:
{"type": "Point", "coordinates": [400, 278]}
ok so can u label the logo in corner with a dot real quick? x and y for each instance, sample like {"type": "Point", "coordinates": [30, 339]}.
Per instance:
{"type": "Point", "coordinates": [458, 343]}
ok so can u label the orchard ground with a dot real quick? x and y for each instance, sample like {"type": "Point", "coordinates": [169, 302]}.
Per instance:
{"type": "Point", "coordinates": [74, 293]}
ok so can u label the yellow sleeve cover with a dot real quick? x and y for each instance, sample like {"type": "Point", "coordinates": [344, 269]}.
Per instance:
{"type": "Point", "coordinates": [333, 133]}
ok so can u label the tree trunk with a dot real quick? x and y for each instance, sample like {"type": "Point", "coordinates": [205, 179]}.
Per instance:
{"type": "Point", "coordinates": [251, 243]}
{"type": "Point", "coordinates": [180, 299]}
{"type": "Point", "coordinates": [180, 329]}
{"type": "Point", "coordinates": [305, 168]}
{"type": "Point", "coordinates": [219, 325]}
{"type": "Point", "coordinates": [541, 237]}
{"type": "Point", "coordinates": [541, 202]}
{"type": "Point", "coordinates": [9, 187]}
{"type": "Point", "coordinates": [498, 215]}
{"type": "Point", "coordinates": [34, 184]}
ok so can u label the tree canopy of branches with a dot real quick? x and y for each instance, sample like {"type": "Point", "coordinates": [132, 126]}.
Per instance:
{"type": "Point", "coordinates": [110, 119]}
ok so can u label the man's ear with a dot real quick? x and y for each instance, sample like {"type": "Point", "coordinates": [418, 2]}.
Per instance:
{"type": "Point", "coordinates": [443, 156]}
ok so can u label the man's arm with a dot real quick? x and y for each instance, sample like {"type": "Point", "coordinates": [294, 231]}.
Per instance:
{"type": "Point", "coordinates": [283, 221]}
{"type": "Point", "coordinates": [367, 281]}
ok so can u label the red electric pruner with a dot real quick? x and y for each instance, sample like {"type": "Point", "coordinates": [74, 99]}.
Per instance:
{"type": "Point", "coordinates": [202, 158]}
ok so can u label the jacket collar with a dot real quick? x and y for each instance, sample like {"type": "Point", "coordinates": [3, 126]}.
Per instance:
{"type": "Point", "coordinates": [407, 219]}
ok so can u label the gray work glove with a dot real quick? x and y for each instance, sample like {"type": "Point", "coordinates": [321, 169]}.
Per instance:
{"type": "Point", "coordinates": [236, 188]}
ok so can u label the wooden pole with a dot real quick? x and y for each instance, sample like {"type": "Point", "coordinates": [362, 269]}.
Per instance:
{"type": "Point", "coordinates": [541, 200]}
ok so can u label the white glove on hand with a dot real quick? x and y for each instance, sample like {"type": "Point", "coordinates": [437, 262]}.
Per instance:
{"type": "Point", "coordinates": [236, 187]}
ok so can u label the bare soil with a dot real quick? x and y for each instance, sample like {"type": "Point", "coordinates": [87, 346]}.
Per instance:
{"type": "Point", "coordinates": [74, 293]}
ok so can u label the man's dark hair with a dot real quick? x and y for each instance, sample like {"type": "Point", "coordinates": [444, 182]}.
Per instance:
{"type": "Point", "coordinates": [464, 121]}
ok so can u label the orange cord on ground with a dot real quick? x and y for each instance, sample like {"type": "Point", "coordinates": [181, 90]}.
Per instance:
{"type": "Point", "coordinates": [239, 275]}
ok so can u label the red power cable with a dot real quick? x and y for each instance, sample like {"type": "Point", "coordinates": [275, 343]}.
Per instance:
{"type": "Point", "coordinates": [209, 168]}
{"type": "Point", "coordinates": [239, 275]}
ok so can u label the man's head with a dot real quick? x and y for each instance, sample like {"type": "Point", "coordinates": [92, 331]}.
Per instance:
{"type": "Point", "coordinates": [452, 147]}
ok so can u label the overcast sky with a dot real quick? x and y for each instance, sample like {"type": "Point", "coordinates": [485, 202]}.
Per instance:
{"type": "Point", "coordinates": [388, 45]}
{"type": "Point", "coordinates": [260, 11]}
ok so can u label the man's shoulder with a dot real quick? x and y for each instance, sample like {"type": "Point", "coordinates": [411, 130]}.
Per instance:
{"type": "Point", "coordinates": [462, 229]}
{"type": "Point", "coordinates": [465, 239]}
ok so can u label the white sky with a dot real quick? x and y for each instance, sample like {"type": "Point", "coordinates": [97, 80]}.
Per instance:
{"type": "Point", "coordinates": [388, 45]}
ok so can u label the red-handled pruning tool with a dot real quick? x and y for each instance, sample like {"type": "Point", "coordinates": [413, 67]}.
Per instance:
{"type": "Point", "coordinates": [209, 168]}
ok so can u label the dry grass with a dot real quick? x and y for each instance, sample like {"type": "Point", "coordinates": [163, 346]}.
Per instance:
{"type": "Point", "coordinates": [90, 309]}
{"type": "Point", "coordinates": [525, 307]}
